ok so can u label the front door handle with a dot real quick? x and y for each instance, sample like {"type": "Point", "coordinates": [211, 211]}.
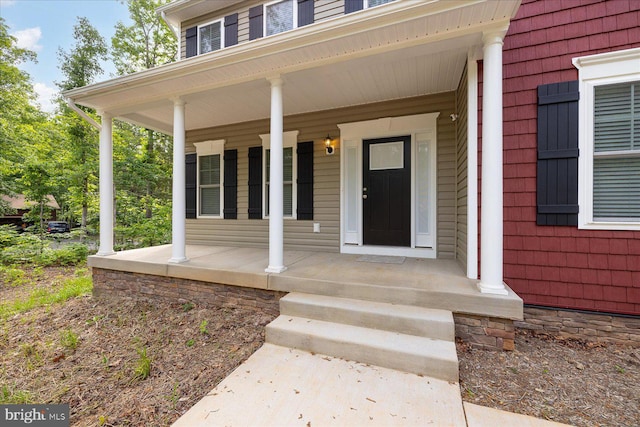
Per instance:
{"type": "Point", "coordinates": [364, 196]}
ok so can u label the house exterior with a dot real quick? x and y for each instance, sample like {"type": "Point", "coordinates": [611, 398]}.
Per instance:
{"type": "Point", "coordinates": [459, 130]}
{"type": "Point", "coordinates": [20, 206]}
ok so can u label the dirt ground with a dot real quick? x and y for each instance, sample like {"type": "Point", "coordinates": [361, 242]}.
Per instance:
{"type": "Point", "coordinates": [189, 349]}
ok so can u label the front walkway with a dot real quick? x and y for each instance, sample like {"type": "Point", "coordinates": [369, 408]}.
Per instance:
{"type": "Point", "coordinates": [411, 281]}
{"type": "Point", "coordinates": [279, 386]}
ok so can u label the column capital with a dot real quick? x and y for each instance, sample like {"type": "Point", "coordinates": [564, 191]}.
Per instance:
{"type": "Point", "coordinates": [493, 37]}
{"type": "Point", "coordinates": [104, 114]}
{"type": "Point", "coordinates": [177, 101]}
{"type": "Point", "coordinates": [275, 80]}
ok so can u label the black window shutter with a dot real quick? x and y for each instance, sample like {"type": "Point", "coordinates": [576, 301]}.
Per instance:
{"type": "Point", "coordinates": [230, 184]}
{"type": "Point", "coordinates": [191, 179]}
{"type": "Point", "coordinates": [557, 177]}
{"type": "Point", "coordinates": [255, 22]}
{"type": "Point", "coordinates": [231, 30]}
{"type": "Point", "coordinates": [305, 12]}
{"type": "Point", "coordinates": [353, 5]}
{"type": "Point", "coordinates": [191, 37]}
{"type": "Point", "coordinates": [305, 180]}
{"type": "Point", "coordinates": [255, 182]}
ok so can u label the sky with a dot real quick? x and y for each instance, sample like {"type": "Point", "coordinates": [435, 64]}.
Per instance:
{"type": "Point", "coordinates": [43, 26]}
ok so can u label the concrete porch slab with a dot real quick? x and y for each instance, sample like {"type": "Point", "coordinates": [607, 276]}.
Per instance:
{"type": "Point", "coordinates": [431, 283]}
{"type": "Point", "coordinates": [280, 386]}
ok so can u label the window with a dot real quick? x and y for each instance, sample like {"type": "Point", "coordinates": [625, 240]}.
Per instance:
{"type": "Point", "coordinates": [374, 3]}
{"type": "Point", "coordinates": [289, 172]}
{"type": "Point", "coordinates": [210, 172]}
{"type": "Point", "coordinates": [280, 16]}
{"type": "Point", "coordinates": [209, 185]}
{"type": "Point", "coordinates": [287, 181]}
{"type": "Point", "coordinates": [356, 5]}
{"type": "Point", "coordinates": [210, 37]}
{"type": "Point", "coordinates": [609, 140]}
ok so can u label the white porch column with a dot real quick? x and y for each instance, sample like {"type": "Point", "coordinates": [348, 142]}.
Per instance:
{"type": "Point", "coordinates": [178, 224]}
{"type": "Point", "coordinates": [276, 210]}
{"type": "Point", "coordinates": [106, 185]}
{"type": "Point", "coordinates": [491, 229]}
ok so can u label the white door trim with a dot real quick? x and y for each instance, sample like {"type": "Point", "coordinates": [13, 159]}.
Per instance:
{"type": "Point", "coordinates": [351, 137]}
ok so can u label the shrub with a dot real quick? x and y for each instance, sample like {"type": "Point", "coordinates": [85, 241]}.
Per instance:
{"type": "Point", "coordinates": [73, 253]}
{"type": "Point", "coordinates": [8, 235]}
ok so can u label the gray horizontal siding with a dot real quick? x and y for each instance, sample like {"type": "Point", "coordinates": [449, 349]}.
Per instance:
{"type": "Point", "coordinates": [462, 173]}
{"type": "Point", "coordinates": [315, 127]}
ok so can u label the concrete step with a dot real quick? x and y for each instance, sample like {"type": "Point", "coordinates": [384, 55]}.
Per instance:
{"type": "Point", "coordinates": [405, 319]}
{"type": "Point", "coordinates": [408, 353]}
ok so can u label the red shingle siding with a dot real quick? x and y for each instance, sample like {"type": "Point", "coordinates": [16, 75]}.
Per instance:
{"type": "Point", "coordinates": [560, 266]}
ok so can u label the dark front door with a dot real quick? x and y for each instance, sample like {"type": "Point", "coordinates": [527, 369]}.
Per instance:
{"type": "Point", "coordinates": [386, 191]}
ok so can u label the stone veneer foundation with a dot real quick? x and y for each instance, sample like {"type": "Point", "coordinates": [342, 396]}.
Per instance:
{"type": "Point", "coordinates": [597, 327]}
{"type": "Point", "coordinates": [485, 332]}
{"type": "Point", "coordinates": [122, 284]}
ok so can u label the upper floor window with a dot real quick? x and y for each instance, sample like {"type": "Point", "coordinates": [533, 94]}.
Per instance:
{"type": "Point", "coordinates": [280, 16]}
{"type": "Point", "coordinates": [609, 140]}
{"type": "Point", "coordinates": [374, 3]}
{"type": "Point", "coordinates": [210, 37]}
{"type": "Point", "coordinates": [356, 5]}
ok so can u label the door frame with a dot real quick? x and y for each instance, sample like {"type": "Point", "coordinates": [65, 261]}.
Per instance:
{"type": "Point", "coordinates": [421, 127]}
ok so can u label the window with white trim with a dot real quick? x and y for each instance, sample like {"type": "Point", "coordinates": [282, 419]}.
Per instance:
{"type": "Point", "coordinates": [210, 37]}
{"type": "Point", "coordinates": [280, 16]}
{"type": "Point", "coordinates": [210, 172]}
{"type": "Point", "coordinates": [609, 140]}
{"type": "Point", "coordinates": [289, 172]}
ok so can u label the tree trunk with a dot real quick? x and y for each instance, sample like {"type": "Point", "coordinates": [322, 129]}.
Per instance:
{"type": "Point", "coordinates": [149, 212]}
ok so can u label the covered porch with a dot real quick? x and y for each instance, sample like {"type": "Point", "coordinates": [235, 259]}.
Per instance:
{"type": "Point", "coordinates": [398, 51]}
{"type": "Point", "coordinates": [430, 283]}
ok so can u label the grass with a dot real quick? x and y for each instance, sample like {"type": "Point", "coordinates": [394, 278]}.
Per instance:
{"type": "Point", "coordinates": [70, 288]}
{"type": "Point", "coordinates": [203, 327]}
{"type": "Point", "coordinates": [143, 365]}
{"type": "Point", "coordinates": [11, 396]}
{"type": "Point", "coordinates": [69, 339]}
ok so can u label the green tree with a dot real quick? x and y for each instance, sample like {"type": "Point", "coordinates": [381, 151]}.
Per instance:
{"type": "Point", "coordinates": [18, 116]}
{"type": "Point", "coordinates": [145, 44]}
{"type": "Point", "coordinates": [80, 66]}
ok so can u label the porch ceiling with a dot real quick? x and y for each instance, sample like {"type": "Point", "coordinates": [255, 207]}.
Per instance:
{"type": "Point", "coordinates": [398, 50]}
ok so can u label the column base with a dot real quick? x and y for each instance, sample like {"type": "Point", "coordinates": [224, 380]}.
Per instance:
{"type": "Point", "coordinates": [276, 270]}
{"type": "Point", "coordinates": [105, 253]}
{"type": "Point", "coordinates": [178, 260]}
{"type": "Point", "coordinates": [492, 289]}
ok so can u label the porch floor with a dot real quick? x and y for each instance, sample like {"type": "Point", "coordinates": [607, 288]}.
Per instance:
{"type": "Point", "coordinates": [412, 281]}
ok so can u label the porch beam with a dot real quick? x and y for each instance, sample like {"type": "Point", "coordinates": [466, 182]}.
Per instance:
{"type": "Point", "coordinates": [491, 228]}
{"type": "Point", "coordinates": [276, 190]}
{"type": "Point", "coordinates": [178, 223]}
{"type": "Point", "coordinates": [106, 185]}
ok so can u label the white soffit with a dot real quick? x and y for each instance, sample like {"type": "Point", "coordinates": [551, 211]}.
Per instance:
{"type": "Point", "coordinates": [399, 50]}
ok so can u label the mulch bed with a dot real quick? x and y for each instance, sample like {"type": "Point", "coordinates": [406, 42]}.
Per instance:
{"type": "Point", "coordinates": [564, 380]}
{"type": "Point", "coordinates": [190, 349]}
